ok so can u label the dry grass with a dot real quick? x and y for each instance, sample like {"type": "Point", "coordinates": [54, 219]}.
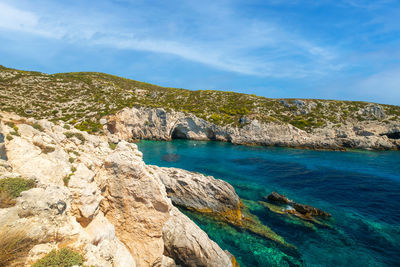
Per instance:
{"type": "Point", "coordinates": [6, 200]}
{"type": "Point", "coordinates": [14, 245]}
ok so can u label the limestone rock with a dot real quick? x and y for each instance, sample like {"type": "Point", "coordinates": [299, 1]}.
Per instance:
{"type": "Point", "coordinates": [189, 245]}
{"type": "Point", "coordinates": [135, 205]}
{"type": "Point", "coordinates": [157, 124]}
{"type": "Point", "coordinates": [197, 191]}
{"type": "Point", "coordinates": [107, 204]}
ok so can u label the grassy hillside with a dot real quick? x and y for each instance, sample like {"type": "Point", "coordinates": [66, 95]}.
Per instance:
{"type": "Point", "coordinates": [83, 98]}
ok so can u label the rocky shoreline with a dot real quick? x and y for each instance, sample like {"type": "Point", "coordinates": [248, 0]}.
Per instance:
{"type": "Point", "coordinates": [104, 201]}
{"type": "Point", "coordinates": [158, 124]}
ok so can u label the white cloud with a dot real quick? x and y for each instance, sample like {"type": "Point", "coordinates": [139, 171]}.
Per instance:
{"type": "Point", "coordinates": [14, 19]}
{"type": "Point", "coordinates": [231, 43]}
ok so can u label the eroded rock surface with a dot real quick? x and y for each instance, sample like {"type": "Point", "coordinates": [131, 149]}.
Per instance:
{"type": "Point", "coordinates": [105, 203]}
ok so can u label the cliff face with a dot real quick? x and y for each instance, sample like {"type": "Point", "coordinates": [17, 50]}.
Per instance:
{"type": "Point", "coordinates": [157, 124]}
{"type": "Point", "coordinates": [85, 99]}
{"type": "Point", "coordinates": [105, 203]}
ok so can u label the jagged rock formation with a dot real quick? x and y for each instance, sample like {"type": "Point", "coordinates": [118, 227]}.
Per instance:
{"type": "Point", "coordinates": [158, 124]}
{"type": "Point", "coordinates": [105, 203]}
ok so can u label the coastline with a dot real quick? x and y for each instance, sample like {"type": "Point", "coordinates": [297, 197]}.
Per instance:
{"type": "Point", "coordinates": [158, 124]}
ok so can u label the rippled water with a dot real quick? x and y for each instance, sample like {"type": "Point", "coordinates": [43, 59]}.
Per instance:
{"type": "Point", "coordinates": [361, 189]}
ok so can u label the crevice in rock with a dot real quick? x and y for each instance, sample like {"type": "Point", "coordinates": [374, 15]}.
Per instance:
{"type": "Point", "coordinates": [393, 135]}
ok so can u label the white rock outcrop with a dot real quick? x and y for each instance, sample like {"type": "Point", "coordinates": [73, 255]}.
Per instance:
{"type": "Point", "coordinates": [158, 124]}
{"type": "Point", "coordinates": [105, 203]}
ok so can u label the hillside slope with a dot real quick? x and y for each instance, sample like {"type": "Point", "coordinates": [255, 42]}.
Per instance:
{"type": "Point", "coordinates": [82, 99]}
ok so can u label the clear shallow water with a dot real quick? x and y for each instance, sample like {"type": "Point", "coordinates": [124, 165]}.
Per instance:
{"type": "Point", "coordinates": [361, 189]}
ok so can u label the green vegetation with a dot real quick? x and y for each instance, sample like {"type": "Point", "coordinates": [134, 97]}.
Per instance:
{"type": "Point", "coordinates": [66, 179]}
{"type": "Point", "coordinates": [81, 99]}
{"type": "Point", "coordinates": [79, 136]}
{"type": "Point", "coordinates": [64, 257]}
{"type": "Point", "coordinates": [112, 145]}
{"type": "Point", "coordinates": [11, 188]}
{"type": "Point", "coordinates": [14, 127]}
{"type": "Point", "coordinates": [14, 186]}
{"type": "Point", "coordinates": [38, 127]}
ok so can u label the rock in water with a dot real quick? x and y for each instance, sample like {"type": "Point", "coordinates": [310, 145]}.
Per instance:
{"type": "Point", "coordinates": [305, 210]}
{"type": "Point", "coordinates": [278, 198]}
{"type": "Point", "coordinates": [309, 210]}
{"type": "Point", "coordinates": [199, 192]}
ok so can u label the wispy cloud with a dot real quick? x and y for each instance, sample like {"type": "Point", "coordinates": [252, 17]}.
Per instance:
{"type": "Point", "coordinates": [245, 46]}
{"type": "Point", "coordinates": [325, 48]}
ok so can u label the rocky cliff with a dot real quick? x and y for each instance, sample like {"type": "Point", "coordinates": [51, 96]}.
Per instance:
{"type": "Point", "coordinates": [103, 200]}
{"type": "Point", "coordinates": [141, 110]}
{"type": "Point", "coordinates": [158, 124]}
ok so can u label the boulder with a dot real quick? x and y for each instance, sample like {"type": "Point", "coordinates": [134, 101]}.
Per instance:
{"type": "Point", "coordinates": [199, 192]}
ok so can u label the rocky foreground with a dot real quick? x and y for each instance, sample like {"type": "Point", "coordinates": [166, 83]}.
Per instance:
{"type": "Point", "coordinates": [158, 124]}
{"type": "Point", "coordinates": [102, 200]}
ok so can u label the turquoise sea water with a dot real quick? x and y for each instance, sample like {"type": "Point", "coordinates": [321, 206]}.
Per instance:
{"type": "Point", "coordinates": [361, 189]}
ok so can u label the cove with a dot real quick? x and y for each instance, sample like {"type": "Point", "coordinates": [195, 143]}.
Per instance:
{"type": "Point", "coordinates": [361, 189]}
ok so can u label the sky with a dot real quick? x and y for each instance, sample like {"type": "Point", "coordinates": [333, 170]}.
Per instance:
{"type": "Point", "coordinates": [325, 49]}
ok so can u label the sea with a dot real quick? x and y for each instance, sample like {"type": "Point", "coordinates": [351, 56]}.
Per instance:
{"type": "Point", "coordinates": [360, 189]}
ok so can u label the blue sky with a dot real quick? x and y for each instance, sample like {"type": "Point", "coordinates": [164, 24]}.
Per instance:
{"type": "Point", "coordinates": [328, 49]}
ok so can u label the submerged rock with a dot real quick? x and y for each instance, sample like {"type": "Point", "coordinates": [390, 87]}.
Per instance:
{"type": "Point", "coordinates": [295, 208]}
{"type": "Point", "coordinates": [215, 198]}
{"type": "Point", "coordinates": [171, 157]}
{"type": "Point", "coordinates": [275, 197]}
{"type": "Point", "coordinates": [309, 210]}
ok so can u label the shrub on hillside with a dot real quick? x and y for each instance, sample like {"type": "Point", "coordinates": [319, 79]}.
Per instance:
{"type": "Point", "coordinates": [64, 257]}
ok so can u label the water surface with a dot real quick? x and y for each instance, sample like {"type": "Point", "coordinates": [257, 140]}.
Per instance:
{"type": "Point", "coordinates": [361, 189]}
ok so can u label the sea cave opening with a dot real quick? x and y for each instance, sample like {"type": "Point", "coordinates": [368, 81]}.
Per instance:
{"type": "Point", "coordinates": [178, 134]}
